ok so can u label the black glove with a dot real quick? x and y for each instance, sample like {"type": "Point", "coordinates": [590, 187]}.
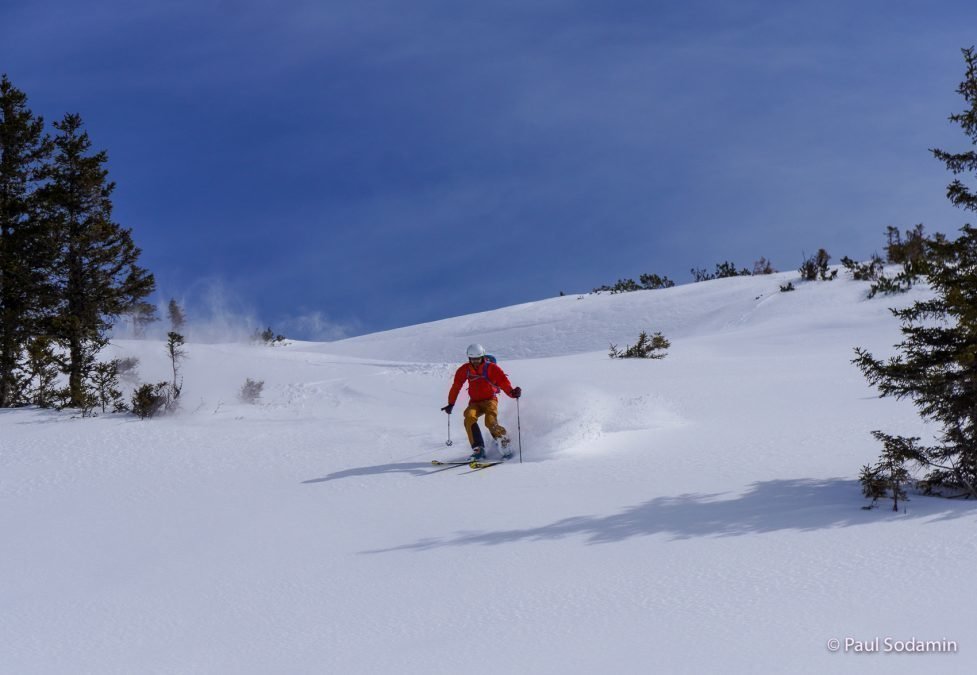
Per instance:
{"type": "Point", "coordinates": [448, 408]}
{"type": "Point", "coordinates": [517, 392]}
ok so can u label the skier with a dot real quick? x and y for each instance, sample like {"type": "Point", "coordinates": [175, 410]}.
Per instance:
{"type": "Point", "coordinates": [485, 379]}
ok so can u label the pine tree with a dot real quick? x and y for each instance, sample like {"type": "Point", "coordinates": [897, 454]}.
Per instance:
{"type": "Point", "coordinates": [870, 271]}
{"type": "Point", "coordinates": [654, 282]}
{"type": "Point", "coordinates": [177, 317]}
{"type": "Point", "coordinates": [251, 391]}
{"type": "Point", "coordinates": [26, 250]}
{"type": "Point", "coordinates": [141, 316]}
{"type": "Point", "coordinates": [937, 364]}
{"type": "Point", "coordinates": [816, 267]}
{"type": "Point", "coordinates": [959, 162]}
{"type": "Point", "coordinates": [41, 371]}
{"type": "Point", "coordinates": [149, 399]}
{"type": "Point", "coordinates": [763, 266]}
{"type": "Point", "coordinates": [98, 278]}
{"type": "Point", "coordinates": [105, 385]}
{"type": "Point", "coordinates": [176, 352]}
{"type": "Point", "coordinates": [889, 475]}
{"type": "Point", "coordinates": [727, 269]}
{"type": "Point", "coordinates": [645, 348]}
{"type": "Point", "coordinates": [910, 250]}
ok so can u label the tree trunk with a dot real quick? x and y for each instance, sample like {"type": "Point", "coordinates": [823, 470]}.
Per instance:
{"type": "Point", "coordinates": [76, 378]}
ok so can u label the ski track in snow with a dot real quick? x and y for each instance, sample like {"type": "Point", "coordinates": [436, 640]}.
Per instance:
{"type": "Point", "coordinates": [695, 514]}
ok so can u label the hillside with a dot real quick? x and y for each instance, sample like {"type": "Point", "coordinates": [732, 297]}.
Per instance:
{"type": "Point", "coordinates": [575, 324]}
{"type": "Point", "coordinates": [695, 514]}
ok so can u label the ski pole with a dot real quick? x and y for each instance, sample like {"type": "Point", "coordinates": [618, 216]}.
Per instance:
{"type": "Point", "coordinates": [519, 429]}
{"type": "Point", "coordinates": [448, 442]}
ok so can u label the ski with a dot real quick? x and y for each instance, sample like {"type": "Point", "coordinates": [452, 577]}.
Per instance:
{"type": "Point", "coordinates": [478, 466]}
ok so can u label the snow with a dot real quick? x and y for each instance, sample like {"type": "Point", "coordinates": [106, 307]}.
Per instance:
{"type": "Point", "coordinates": [695, 514]}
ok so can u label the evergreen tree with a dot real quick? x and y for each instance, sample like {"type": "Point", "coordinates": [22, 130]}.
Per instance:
{"type": "Point", "coordinates": [251, 391]}
{"type": "Point", "coordinates": [910, 250]}
{"type": "Point", "coordinates": [959, 162]}
{"type": "Point", "coordinates": [176, 352]}
{"type": "Point", "coordinates": [41, 371]}
{"type": "Point", "coordinates": [937, 364]}
{"type": "Point", "coordinates": [98, 278]}
{"type": "Point", "coordinates": [141, 316]}
{"type": "Point", "coordinates": [816, 267]}
{"type": "Point", "coordinates": [177, 317]}
{"type": "Point", "coordinates": [26, 250]}
{"type": "Point", "coordinates": [654, 282]}
{"type": "Point", "coordinates": [645, 348]}
{"type": "Point", "coordinates": [889, 475]}
{"type": "Point", "coordinates": [105, 386]}
{"type": "Point", "coordinates": [727, 269]}
{"type": "Point", "coordinates": [763, 266]}
{"type": "Point", "coordinates": [870, 271]}
{"type": "Point", "coordinates": [149, 399]}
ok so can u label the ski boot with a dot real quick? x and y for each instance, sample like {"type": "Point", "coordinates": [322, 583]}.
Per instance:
{"type": "Point", "coordinates": [504, 447]}
{"type": "Point", "coordinates": [478, 454]}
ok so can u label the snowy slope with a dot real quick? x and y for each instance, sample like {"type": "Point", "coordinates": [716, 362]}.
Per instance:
{"type": "Point", "coordinates": [582, 323]}
{"type": "Point", "coordinates": [695, 514]}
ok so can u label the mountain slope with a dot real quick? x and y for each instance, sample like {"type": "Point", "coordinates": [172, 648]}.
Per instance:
{"type": "Point", "coordinates": [695, 514]}
{"type": "Point", "coordinates": [581, 323]}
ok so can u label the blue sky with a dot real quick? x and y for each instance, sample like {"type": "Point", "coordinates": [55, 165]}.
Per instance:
{"type": "Point", "coordinates": [339, 167]}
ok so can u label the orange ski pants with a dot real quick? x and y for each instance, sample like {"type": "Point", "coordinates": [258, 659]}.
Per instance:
{"type": "Point", "coordinates": [490, 409]}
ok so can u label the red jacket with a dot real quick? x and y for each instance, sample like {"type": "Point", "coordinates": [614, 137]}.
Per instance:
{"type": "Point", "coordinates": [482, 382]}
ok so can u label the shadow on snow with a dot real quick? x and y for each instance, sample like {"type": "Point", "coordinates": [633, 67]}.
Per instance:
{"type": "Point", "coordinates": [769, 506]}
{"type": "Point", "coordinates": [411, 468]}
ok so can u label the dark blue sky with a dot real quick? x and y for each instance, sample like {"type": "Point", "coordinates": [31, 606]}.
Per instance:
{"type": "Point", "coordinates": [344, 166]}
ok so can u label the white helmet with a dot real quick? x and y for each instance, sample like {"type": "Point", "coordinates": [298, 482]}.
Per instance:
{"type": "Point", "coordinates": [475, 351]}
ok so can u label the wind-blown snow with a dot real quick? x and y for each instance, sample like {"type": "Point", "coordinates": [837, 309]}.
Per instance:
{"type": "Point", "coordinates": [695, 514]}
